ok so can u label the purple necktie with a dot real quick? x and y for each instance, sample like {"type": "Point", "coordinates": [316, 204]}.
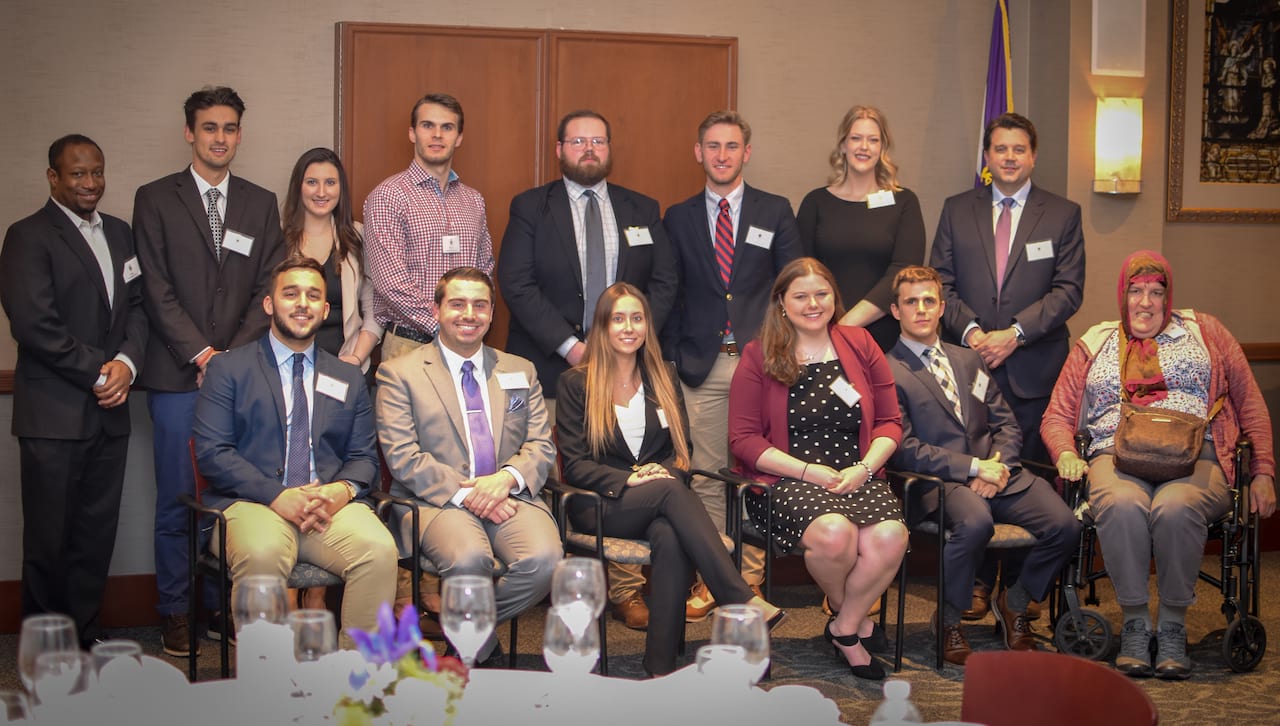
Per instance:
{"type": "Point", "coordinates": [1003, 224]}
{"type": "Point", "coordinates": [477, 422]}
{"type": "Point", "coordinates": [299, 429]}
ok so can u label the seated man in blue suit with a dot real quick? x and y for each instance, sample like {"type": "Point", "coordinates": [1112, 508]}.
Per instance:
{"type": "Point", "coordinates": [284, 434]}
{"type": "Point", "coordinates": [956, 426]}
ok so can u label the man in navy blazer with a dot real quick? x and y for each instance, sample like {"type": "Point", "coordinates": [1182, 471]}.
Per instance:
{"type": "Point", "coordinates": [975, 452]}
{"type": "Point", "coordinates": [1016, 321]}
{"type": "Point", "coordinates": [207, 241]}
{"type": "Point", "coordinates": [293, 486]}
{"type": "Point", "coordinates": [730, 241]}
{"type": "Point", "coordinates": [543, 266]}
{"type": "Point", "coordinates": [69, 284]}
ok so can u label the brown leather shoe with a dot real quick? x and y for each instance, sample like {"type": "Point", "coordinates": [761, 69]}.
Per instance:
{"type": "Point", "coordinates": [955, 648]}
{"type": "Point", "coordinates": [632, 612]}
{"type": "Point", "coordinates": [1015, 626]}
{"type": "Point", "coordinates": [1033, 611]}
{"type": "Point", "coordinates": [701, 603]}
{"type": "Point", "coordinates": [981, 604]}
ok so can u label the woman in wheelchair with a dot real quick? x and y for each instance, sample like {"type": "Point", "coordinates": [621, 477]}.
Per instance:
{"type": "Point", "coordinates": [623, 433]}
{"type": "Point", "coordinates": [813, 413]}
{"type": "Point", "coordinates": [1178, 360]}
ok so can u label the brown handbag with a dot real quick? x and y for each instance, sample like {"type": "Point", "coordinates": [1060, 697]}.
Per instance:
{"type": "Point", "coordinates": [1158, 445]}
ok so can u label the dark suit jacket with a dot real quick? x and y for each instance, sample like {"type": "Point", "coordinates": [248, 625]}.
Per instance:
{"type": "Point", "coordinates": [692, 334]}
{"type": "Point", "coordinates": [192, 299]}
{"type": "Point", "coordinates": [541, 278]}
{"type": "Point", "coordinates": [241, 428]}
{"type": "Point", "coordinates": [934, 442]}
{"type": "Point", "coordinates": [1040, 295]}
{"type": "Point", "coordinates": [52, 289]}
{"type": "Point", "coordinates": [608, 474]}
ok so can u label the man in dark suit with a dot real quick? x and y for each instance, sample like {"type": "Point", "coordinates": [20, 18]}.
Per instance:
{"type": "Point", "coordinates": [957, 427]}
{"type": "Point", "coordinates": [1012, 265]}
{"type": "Point", "coordinates": [284, 434]}
{"type": "Point", "coordinates": [467, 435]}
{"type": "Point", "coordinates": [207, 242]}
{"type": "Point", "coordinates": [69, 284]}
{"type": "Point", "coordinates": [568, 240]}
{"type": "Point", "coordinates": [730, 241]}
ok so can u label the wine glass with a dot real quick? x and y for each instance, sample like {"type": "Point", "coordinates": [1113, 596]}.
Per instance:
{"type": "Point", "coordinates": [744, 625]}
{"type": "Point", "coordinates": [259, 597]}
{"type": "Point", "coordinates": [314, 634]}
{"type": "Point", "coordinates": [60, 674]}
{"type": "Point", "coordinates": [14, 707]}
{"type": "Point", "coordinates": [579, 579]}
{"type": "Point", "coordinates": [467, 613]}
{"type": "Point", "coordinates": [108, 650]}
{"type": "Point", "coordinates": [722, 661]}
{"type": "Point", "coordinates": [567, 646]}
{"type": "Point", "coordinates": [52, 633]}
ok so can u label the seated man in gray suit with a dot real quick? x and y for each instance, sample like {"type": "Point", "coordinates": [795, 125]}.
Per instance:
{"type": "Point", "coordinates": [465, 432]}
{"type": "Point", "coordinates": [956, 426]}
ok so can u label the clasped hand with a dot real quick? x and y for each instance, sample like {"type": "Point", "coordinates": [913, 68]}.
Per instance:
{"type": "Point", "coordinates": [311, 507]}
{"type": "Point", "coordinates": [840, 481]}
{"type": "Point", "coordinates": [992, 477]}
{"type": "Point", "coordinates": [995, 347]}
{"type": "Point", "coordinates": [115, 389]}
{"type": "Point", "coordinates": [645, 473]}
{"type": "Point", "coordinates": [490, 497]}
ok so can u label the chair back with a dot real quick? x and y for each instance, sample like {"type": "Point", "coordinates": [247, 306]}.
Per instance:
{"type": "Point", "coordinates": [201, 483]}
{"type": "Point", "coordinates": [1015, 688]}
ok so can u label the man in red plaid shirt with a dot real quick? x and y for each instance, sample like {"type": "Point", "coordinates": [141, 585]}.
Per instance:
{"type": "Point", "coordinates": [421, 223]}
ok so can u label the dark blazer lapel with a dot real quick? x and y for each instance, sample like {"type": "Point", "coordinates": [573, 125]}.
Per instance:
{"type": "Point", "coordinates": [440, 379]}
{"type": "Point", "coordinates": [271, 377]}
{"type": "Point", "coordinates": [965, 375]}
{"type": "Point", "coordinates": [706, 250]}
{"type": "Point", "coordinates": [746, 217]}
{"type": "Point", "coordinates": [321, 404]}
{"type": "Point", "coordinates": [562, 217]}
{"type": "Point", "coordinates": [1031, 215]}
{"type": "Point", "coordinates": [189, 196]}
{"type": "Point", "coordinates": [79, 247]}
{"type": "Point", "coordinates": [624, 214]}
{"type": "Point", "coordinates": [982, 202]}
{"type": "Point", "coordinates": [237, 201]}
{"type": "Point", "coordinates": [119, 248]}
{"type": "Point", "coordinates": [925, 377]}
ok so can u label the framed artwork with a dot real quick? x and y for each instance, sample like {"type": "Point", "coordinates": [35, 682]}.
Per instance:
{"type": "Point", "coordinates": [1224, 112]}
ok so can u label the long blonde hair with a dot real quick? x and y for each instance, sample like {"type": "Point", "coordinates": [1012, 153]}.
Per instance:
{"type": "Point", "coordinates": [598, 362]}
{"type": "Point", "coordinates": [886, 170]}
{"type": "Point", "coordinates": [777, 334]}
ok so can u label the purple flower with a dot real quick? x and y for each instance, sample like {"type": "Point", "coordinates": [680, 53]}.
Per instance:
{"type": "Point", "coordinates": [392, 640]}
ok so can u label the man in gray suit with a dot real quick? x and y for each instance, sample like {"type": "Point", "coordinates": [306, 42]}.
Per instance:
{"type": "Point", "coordinates": [957, 427]}
{"type": "Point", "coordinates": [465, 431]}
{"type": "Point", "coordinates": [207, 242]}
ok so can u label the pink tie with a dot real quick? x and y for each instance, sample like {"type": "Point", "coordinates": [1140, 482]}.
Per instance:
{"type": "Point", "coordinates": [1002, 240]}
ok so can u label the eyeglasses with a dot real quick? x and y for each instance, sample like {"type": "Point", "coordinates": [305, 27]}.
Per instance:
{"type": "Point", "coordinates": [578, 142]}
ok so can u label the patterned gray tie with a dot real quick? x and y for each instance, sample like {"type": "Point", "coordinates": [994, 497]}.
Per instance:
{"type": "Point", "coordinates": [595, 283]}
{"type": "Point", "coordinates": [215, 221]}
{"type": "Point", "coordinates": [943, 375]}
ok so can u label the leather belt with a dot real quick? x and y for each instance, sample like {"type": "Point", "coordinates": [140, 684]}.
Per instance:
{"type": "Point", "coordinates": [730, 348]}
{"type": "Point", "coordinates": [404, 331]}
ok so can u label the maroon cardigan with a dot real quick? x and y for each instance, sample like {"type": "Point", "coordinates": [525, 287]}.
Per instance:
{"type": "Point", "coordinates": [758, 402]}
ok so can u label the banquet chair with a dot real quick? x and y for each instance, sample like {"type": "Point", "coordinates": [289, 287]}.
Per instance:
{"type": "Point", "coordinates": [391, 509]}
{"type": "Point", "coordinates": [1015, 688]}
{"type": "Point", "coordinates": [201, 560]}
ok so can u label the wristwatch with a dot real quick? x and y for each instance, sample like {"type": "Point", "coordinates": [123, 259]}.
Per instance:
{"type": "Point", "coordinates": [351, 489]}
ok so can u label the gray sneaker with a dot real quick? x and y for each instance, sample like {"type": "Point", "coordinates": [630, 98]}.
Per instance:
{"type": "Point", "coordinates": [1172, 661]}
{"type": "Point", "coordinates": [1134, 659]}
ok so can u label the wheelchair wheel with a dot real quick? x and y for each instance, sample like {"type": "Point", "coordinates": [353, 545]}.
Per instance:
{"type": "Point", "coordinates": [1244, 643]}
{"type": "Point", "coordinates": [1086, 635]}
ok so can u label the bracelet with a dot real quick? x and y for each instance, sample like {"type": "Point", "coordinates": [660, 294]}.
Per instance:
{"type": "Point", "coordinates": [804, 473]}
{"type": "Point", "coordinates": [870, 474]}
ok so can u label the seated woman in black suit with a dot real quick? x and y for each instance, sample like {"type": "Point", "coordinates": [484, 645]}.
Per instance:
{"type": "Point", "coordinates": [623, 433]}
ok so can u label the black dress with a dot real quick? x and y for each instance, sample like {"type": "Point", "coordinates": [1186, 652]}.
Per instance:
{"type": "Point", "coordinates": [823, 430]}
{"type": "Point", "coordinates": [329, 337]}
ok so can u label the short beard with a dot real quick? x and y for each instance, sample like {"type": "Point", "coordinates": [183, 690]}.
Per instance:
{"type": "Point", "coordinates": [580, 175]}
{"type": "Point", "coordinates": [282, 331]}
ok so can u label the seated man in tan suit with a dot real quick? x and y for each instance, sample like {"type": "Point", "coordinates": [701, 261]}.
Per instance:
{"type": "Point", "coordinates": [465, 432]}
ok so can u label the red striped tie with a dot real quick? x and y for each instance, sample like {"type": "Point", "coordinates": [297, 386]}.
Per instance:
{"type": "Point", "coordinates": [724, 247]}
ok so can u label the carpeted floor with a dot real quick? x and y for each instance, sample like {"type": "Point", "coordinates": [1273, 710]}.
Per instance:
{"type": "Point", "coordinates": [1213, 695]}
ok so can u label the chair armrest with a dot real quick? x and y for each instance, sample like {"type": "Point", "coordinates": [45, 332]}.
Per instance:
{"type": "Point", "coordinates": [903, 482]}
{"type": "Point", "coordinates": [562, 494]}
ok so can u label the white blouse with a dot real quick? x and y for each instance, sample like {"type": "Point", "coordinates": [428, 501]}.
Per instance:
{"type": "Point", "coordinates": [631, 421]}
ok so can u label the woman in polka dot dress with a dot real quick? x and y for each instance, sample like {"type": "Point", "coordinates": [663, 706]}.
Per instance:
{"type": "Point", "coordinates": [813, 414]}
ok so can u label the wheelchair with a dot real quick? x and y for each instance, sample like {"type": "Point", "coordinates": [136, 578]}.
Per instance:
{"type": "Point", "coordinates": [1085, 632]}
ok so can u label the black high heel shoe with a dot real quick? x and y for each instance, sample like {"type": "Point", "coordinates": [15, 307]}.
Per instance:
{"type": "Point", "coordinates": [872, 671]}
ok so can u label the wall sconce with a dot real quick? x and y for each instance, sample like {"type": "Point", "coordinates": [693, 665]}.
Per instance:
{"type": "Point", "coordinates": [1117, 165]}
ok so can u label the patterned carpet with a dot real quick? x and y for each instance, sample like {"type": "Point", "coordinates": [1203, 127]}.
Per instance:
{"type": "Point", "coordinates": [1213, 695]}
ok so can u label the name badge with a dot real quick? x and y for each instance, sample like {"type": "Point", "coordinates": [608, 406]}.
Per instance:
{"type": "Point", "coordinates": [638, 236]}
{"type": "Point", "coordinates": [1175, 333]}
{"type": "Point", "coordinates": [845, 391]}
{"type": "Point", "coordinates": [241, 244]}
{"type": "Point", "coordinates": [1042, 250]}
{"type": "Point", "coordinates": [882, 198]}
{"type": "Point", "coordinates": [662, 418]}
{"type": "Point", "coordinates": [331, 387]}
{"type": "Point", "coordinates": [451, 244]}
{"type": "Point", "coordinates": [132, 270]}
{"type": "Point", "coordinates": [980, 383]}
{"type": "Point", "coordinates": [512, 381]}
{"type": "Point", "coordinates": [762, 238]}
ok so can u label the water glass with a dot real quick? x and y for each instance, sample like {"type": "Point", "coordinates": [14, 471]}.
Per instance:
{"type": "Point", "coordinates": [569, 644]}
{"type": "Point", "coordinates": [744, 625]}
{"type": "Point", "coordinates": [14, 707]}
{"type": "Point", "coordinates": [314, 634]}
{"type": "Point", "coordinates": [61, 674]}
{"type": "Point", "coordinates": [467, 613]}
{"type": "Point", "coordinates": [259, 597]}
{"type": "Point", "coordinates": [579, 579]}
{"type": "Point", "coordinates": [53, 633]}
{"type": "Point", "coordinates": [727, 662]}
{"type": "Point", "coordinates": [108, 650]}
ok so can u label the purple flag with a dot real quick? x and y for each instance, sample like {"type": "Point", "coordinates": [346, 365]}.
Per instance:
{"type": "Point", "coordinates": [999, 96]}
